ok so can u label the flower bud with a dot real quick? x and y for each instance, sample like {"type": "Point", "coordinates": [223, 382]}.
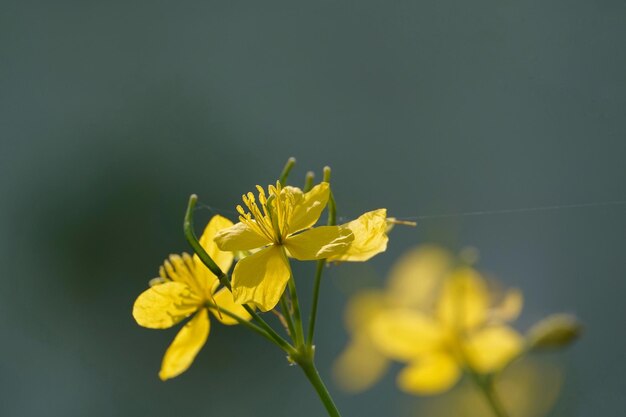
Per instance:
{"type": "Point", "coordinates": [553, 332]}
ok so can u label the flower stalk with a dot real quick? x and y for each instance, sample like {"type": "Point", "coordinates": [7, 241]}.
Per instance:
{"type": "Point", "coordinates": [332, 220]}
{"type": "Point", "coordinates": [486, 386]}
{"type": "Point", "coordinates": [309, 369]}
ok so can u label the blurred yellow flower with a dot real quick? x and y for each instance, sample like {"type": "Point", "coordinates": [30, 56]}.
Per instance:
{"type": "Point", "coordinates": [436, 318]}
{"type": "Point", "coordinates": [282, 227]}
{"type": "Point", "coordinates": [184, 287]}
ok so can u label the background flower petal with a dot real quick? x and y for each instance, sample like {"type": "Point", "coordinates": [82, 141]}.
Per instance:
{"type": "Point", "coordinates": [431, 374]}
{"type": "Point", "coordinates": [509, 307]}
{"type": "Point", "coordinates": [417, 276]}
{"type": "Point", "coordinates": [464, 300]}
{"type": "Point", "coordinates": [223, 259]}
{"type": "Point", "coordinates": [403, 334]}
{"type": "Point", "coordinates": [164, 305]}
{"type": "Point", "coordinates": [492, 348]}
{"type": "Point", "coordinates": [185, 346]}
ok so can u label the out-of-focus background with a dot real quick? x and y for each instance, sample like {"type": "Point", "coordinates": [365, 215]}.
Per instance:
{"type": "Point", "coordinates": [113, 112]}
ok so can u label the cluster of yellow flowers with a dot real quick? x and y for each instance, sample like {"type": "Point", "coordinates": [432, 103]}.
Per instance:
{"type": "Point", "coordinates": [277, 226]}
{"type": "Point", "coordinates": [440, 318]}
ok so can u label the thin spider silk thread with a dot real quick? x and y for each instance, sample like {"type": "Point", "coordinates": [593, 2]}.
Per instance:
{"type": "Point", "coordinates": [516, 210]}
{"type": "Point", "coordinates": [466, 213]}
{"type": "Point", "coordinates": [216, 210]}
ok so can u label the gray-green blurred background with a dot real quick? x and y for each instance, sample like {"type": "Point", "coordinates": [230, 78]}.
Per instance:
{"type": "Point", "coordinates": [113, 112]}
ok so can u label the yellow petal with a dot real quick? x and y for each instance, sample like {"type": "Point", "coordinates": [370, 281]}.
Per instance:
{"type": "Point", "coordinates": [308, 207]}
{"type": "Point", "coordinates": [224, 299]}
{"type": "Point", "coordinates": [185, 346]}
{"type": "Point", "coordinates": [417, 276]}
{"type": "Point", "coordinates": [260, 278]}
{"type": "Point", "coordinates": [223, 259]}
{"type": "Point", "coordinates": [205, 278]}
{"type": "Point", "coordinates": [362, 308]}
{"type": "Point", "coordinates": [464, 300]}
{"type": "Point", "coordinates": [318, 243]}
{"type": "Point", "coordinates": [164, 305]}
{"type": "Point", "coordinates": [403, 334]}
{"type": "Point", "coordinates": [370, 237]}
{"type": "Point", "coordinates": [509, 307]}
{"type": "Point", "coordinates": [359, 366]}
{"type": "Point", "coordinates": [239, 237]}
{"type": "Point", "coordinates": [430, 374]}
{"type": "Point", "coordinates": [490, 349]}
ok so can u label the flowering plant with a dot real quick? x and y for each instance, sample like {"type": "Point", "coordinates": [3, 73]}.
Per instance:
{"type": "Point", "coordinates": [438, 316]}
{"type": "Point", "coordinates": [278, 225]}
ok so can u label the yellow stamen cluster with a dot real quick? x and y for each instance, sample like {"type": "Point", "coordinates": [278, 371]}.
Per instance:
{"type": "Point", "coordinates": [272, 222]}
{"type": "Point", "coordinates": [183, 269]}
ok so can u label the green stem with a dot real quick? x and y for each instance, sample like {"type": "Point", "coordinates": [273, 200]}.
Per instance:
{"type": "Point", "coordinates": [297, 317]}
{"type": "Point", "coordinates": [332, 220]}
{"type": "Point", "coordinates": [485, 384]}
{"type": "Point", "coordinates": [242, 321]}
{"type": "Point", "coordinates": [332, 210]}
{"type": "Point", "coordinates": [282, 343]}
{"type": "Point", "coordinates": [309, 369]}
{"type": "Point", "coordinates": [316, 295]}
{"type": "Point", "coordinates": [208, 261]}
{"type": "Point", "coordinates": [332, 206]}
{"type": "Point", "coordinates": [190, 235]}
{"type": "Point", "coordinates": [284, 307]}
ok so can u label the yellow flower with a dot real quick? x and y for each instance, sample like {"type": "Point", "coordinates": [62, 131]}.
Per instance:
{"type": "Point", "coordinates": [280, 226]}
{"type": "Point", "coordinates": [434, 317]}
{"type": "Point", "coordinates": [463, 330]}
{"type": "Point", "coordinates": [184, 287]}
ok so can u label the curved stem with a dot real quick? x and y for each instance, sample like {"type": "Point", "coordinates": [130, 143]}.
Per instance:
{"type": "Point", "coordinates": [309, 369]}
{"type": "Point", "coordinates": [190, 235]}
